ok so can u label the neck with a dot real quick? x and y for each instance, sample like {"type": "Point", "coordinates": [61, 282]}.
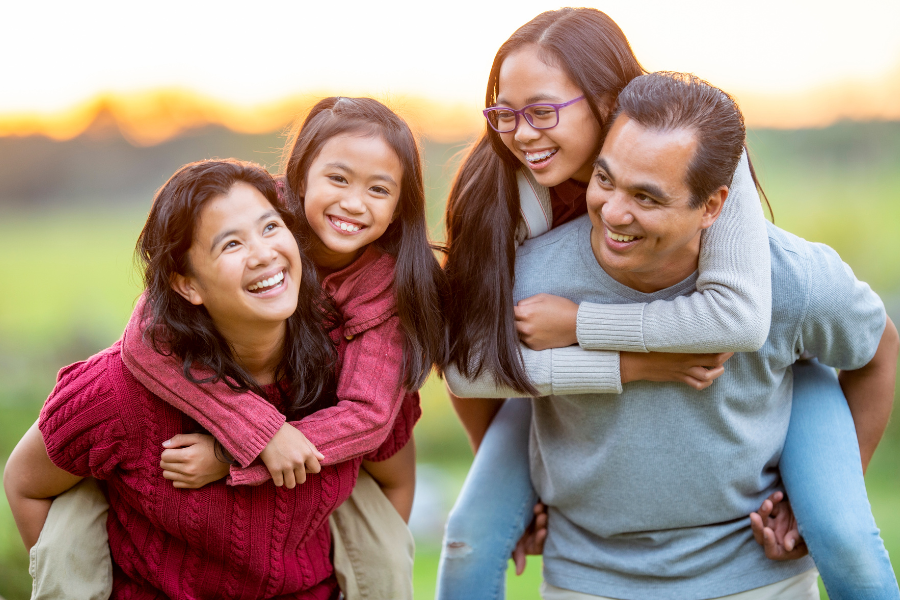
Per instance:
{"type": "Point", "coordinates": [258, 350]}
{"type": "Point", "coordinates": [328, 262]}
{"type": "Point", "coordinates": [664, 272]}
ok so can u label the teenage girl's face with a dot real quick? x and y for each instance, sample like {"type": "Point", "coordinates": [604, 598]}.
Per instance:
{"type": "Point", "coordinates": [351, 196]}
{"type": "Point", "coordinates": [563, 152]}
{"type": "Point", "coordinates": [245, 263]}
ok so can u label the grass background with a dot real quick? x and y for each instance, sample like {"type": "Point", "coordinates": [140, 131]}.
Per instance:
{"type": "Point", "coordinates": [70, 213]}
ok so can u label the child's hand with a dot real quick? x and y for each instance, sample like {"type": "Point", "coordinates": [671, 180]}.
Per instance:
{"type": "Point", "coordinates": [775, 529]}
{"type": "Point", "coordinates": [545, 321]}
{"type": "Point", "coordinates": [696, 370]}
{"type": "Point", "coordinates": [190, 461]}
{"type": "Point", "coordinates": [532, 541]}
{"type": "Point", "coordinates": [289, 455]}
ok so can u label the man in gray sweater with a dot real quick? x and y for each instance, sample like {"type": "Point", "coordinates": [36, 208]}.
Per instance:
{"type": "Point", "coordinates": [649, 490]}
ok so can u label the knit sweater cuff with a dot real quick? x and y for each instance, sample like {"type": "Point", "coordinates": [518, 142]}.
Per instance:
{"type": "Point", "coordinates": [248, 448]}
{"type": "Point", "coordinates": [611, 327]}
{"type": "Point", "coordinates": [539, 367]}
{"type": "Point", "coordinates": [576, 371]}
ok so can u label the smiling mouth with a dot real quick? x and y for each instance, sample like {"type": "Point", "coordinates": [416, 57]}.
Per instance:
{"type": "Point", "coordinates": [537, 158]}
{"type": "Point", "coordinates": [345, 225]}
{"type": "Point", "coordinates": [260, 287]}
{"type": "Point", "coordinates": [621, 238]}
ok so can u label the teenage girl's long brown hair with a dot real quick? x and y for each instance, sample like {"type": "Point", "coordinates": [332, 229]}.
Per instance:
{"type": "Point", "coordinates": [483, 208]}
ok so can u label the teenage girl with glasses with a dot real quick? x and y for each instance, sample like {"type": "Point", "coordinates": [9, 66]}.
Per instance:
{"type": "Point", "coordinates": [527, 174]}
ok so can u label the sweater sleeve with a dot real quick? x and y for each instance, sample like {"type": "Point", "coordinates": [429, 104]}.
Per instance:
{"type": "Point", "coordinates": [81, 422]}
{"type": "Point", "coordinates": [729, 312]}
{"type": "Point", "coordinates": [243, 422]}
{"type": "Point", "coordinates": [557, 371]}
{"type": "Point", "coordinates": [369, 396]}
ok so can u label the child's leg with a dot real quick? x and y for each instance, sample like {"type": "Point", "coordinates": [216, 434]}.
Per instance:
{"type": "Point", "coordinates": [823, 478]}
{"type": "Point", "coordinates": [492, 511]}
{"type": "Point", "coordinates": [373, 548]}
{"type": "Point", "coordinates": [71, 558]}
{"type": "Point", "coordinates": [396, 477]}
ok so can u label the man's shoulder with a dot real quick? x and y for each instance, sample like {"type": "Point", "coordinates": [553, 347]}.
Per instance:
{"type": "Point", "coordinates": [559, 238]}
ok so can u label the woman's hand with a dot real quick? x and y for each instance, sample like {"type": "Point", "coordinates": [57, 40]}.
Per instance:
{"type": "Point", "coordinates": [532, 541]}
{"type": "Point", "coordinates": [289, 456]}
{"type": "Point", "coordinates": [696, 370]}
{"type": "Point", "coordinates": [546, 321]}
{"type": "Point", "coordinates": [775, 529]}
{"type": "Point", "coordinates": [190, 461]}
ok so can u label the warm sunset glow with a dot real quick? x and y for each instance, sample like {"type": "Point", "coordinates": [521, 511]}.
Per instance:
{"type": "Point", "coordinates": [171, 66]}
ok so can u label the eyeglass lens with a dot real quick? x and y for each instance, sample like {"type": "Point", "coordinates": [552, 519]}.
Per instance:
{"type": "Point", "coordinates": [538, 116]}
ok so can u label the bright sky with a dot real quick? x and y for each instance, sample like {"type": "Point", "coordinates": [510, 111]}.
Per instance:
{"type": "Point", "coordinates": [57, 54]}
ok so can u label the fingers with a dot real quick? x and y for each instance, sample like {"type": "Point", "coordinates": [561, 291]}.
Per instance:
{"type": "Point", "coordinates": [290, 479]}
{"type": "Point", "coordinates": [183, 439]}
{"type": "Point", "coordinates": [756, 526]}
{"type": "Point", "coordinates": [519, 558]}
{"type": "Point", "coordinates": [312, 465]}
{"type": "Point", "coordinates": [177, 455]}
{"type": "Point", "coordinates": [277, 478]}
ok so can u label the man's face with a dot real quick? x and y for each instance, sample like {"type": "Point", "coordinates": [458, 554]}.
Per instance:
{"type": "Point", "coordinates": [646, 235]}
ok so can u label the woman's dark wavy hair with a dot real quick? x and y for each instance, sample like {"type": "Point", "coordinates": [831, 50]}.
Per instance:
{"type": "Point", "coordinates": [176, 326]}
{"type": "Point", "coordinates": [483, 208]}
{"type": "Point", "coordinates": [419, 282]}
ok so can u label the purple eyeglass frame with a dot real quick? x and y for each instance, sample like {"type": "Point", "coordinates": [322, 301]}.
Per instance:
{"type": "Point", "coordinates": [486, 112]}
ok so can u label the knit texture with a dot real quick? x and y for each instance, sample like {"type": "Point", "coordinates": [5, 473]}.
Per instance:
{"type": "Point", "coordinates": [218, 541]}
{"type": "Point", "coordinates": [649, 491]}
{"type": "Point", "coordinates": [732, 310]}
{"type": "Point", "coordinates": [374, 415]}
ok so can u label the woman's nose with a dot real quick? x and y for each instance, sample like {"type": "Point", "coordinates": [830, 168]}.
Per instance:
{"type": "Point", "coordinates": [525, 132]}
{"type": "Point", "coordinates": [262, 252]}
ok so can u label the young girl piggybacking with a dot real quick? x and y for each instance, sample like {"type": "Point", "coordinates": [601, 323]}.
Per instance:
{"type": "Point", "coordinates": [353, 177]}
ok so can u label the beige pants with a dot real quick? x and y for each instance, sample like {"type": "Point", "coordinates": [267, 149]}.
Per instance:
{"type": "Point", "coordinates": [71, 557]}
{"type": "Point", "coordinates": [800, 587]}
{"type": "Point", "coordinates": [373, 548]}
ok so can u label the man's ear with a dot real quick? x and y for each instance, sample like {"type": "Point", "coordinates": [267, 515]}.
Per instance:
{"type": "Point", "coordinates": [713, 207]}
{"type": "Point", "coordinates": [186, 288]}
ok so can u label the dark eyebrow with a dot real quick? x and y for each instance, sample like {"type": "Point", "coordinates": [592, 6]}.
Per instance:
{"type": "Point", "coordinates": [344, 167]}
{"type": "Point", "coordinates": [216, 240]}
{"type": "Point", "coordinates": [649, 188]}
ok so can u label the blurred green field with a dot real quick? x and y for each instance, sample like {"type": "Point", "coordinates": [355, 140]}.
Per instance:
{"type": "Point", "coordinates": [71, 287]}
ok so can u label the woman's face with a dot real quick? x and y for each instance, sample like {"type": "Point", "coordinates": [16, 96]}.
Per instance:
{"type": "Point", "coordinates": [245, 263]}
{"type": "Point", "coordinates": [563, 152]}
{"type": "Point", "coordinates": [351, 195]}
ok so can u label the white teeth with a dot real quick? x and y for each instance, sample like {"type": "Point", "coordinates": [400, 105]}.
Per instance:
{"type": "Point", "coordinates": [533, 158]}
{"type": "Point", "coordinates": [620, 238]}
{"type": "Point", "coordinates": [274, 279]}
{"type": "Point", "coordinates": [345, 226]}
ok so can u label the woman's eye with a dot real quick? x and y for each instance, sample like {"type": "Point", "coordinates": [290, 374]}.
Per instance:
{"type": "Point", "coordinates": [270, 227]}
{"type": "Point", "coordinates": [337, 178]}
{"type": "Point", "coordinates": [230, 245]}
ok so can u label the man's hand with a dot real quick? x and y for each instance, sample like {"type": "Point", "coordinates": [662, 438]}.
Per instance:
{"type": "Point", "coordinates": [190, 461]}
{"type": "Point", "coordinates": [775, 529]}
{"type": "Point", "coordinates": [289, 456]}
{"type": "Point", "coordinates": [696, 370]}
{"type": "Point", "coordinates": [532, 541]}
{"type": "Point", "coordinates": [546, 321]}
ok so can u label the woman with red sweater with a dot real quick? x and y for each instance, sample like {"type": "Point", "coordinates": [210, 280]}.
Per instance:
{"type": "Point", "coordinates": [228, 290]}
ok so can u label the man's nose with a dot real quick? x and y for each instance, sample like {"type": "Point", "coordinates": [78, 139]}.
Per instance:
{"type": "Point", "coordinates": [616, 210]}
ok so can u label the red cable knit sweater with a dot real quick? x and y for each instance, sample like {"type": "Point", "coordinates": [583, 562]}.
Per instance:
{"type": "Point", "coordinates": [216, 542]}
{"type": "Point", "coordinates": [374, 415]}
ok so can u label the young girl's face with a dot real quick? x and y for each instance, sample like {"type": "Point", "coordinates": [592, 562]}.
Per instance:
{"type": "Point", "coordinates": [567, 150]}
{"type": "Point", "coordinates": [351, 195]}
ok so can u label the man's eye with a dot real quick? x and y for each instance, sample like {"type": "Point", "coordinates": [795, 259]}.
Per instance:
{"type": "Point", "coordinates": [644, 199]}
{"type": "Point", "coordinates": [602, 178]}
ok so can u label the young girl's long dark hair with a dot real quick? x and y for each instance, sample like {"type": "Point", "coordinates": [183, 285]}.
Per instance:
{"type": "Point", "coordinates": [483, 208]}
{"type": "Point", "coordinates": [419, 282]}
{"type": "Point", "coordinates": [179, 327]}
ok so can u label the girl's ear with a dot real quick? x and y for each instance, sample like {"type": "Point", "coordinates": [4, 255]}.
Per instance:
{"type": "Point", "coordinates": [186, 287]}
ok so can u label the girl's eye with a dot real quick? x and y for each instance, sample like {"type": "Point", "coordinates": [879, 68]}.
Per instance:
{"type": "Point", "coordinates": [337, 178]}
{"type": "Point", "coordinates": [380, 190]}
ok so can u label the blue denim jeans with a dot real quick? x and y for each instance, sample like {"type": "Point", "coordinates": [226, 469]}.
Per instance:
{"type": "Point", "coordinates": [823, 478]}
{"type": "Point", "coordinates": [493, 509]}
{"type": "Point", "coordinates": [820, 466]}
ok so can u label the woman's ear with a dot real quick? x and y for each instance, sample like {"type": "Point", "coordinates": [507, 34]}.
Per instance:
{"type": "Point", "coordinates": [186, 287]}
